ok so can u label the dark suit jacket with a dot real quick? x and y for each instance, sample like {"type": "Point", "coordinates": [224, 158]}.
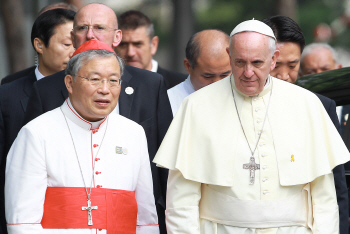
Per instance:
{"type": "Point", "coordinates": [339, 172]}
{"type": "Point", "coordinates": [17, 75]}
{"type": "Point", "coordinates": [13, 102]}
{"type": "Point", "coordinates": [171, 78]}
{"type": "Point", "coordinates": [148, 105]}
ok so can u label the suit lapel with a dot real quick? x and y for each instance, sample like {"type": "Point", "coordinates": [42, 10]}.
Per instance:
{"type": "Point", "coordinates": [126, 100]}
{"type": "Point", "coordinates": [27, 89]}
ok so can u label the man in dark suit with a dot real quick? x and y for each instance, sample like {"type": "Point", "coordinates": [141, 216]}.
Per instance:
{"type": "Point", "coordinates": [143, 97]}
{"type": "Point", "coordinates": [290, 43]}
{"type": "Point", "coordinates": [17, 75]}
{"type": "Point", "coordinates": [139, 45]}
{"type": "Point", "coordinates": [51, 40]}
{"type": "Point", "coordinates": [29, 70]}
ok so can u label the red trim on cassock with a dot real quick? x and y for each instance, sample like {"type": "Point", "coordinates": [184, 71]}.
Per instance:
{"type": "Point", "coordinates": [84, 119]}
{"type": "Point", "coordinates": [117, 209]}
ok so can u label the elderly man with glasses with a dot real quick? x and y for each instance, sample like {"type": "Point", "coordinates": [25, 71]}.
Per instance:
{"type": "Point", "coordinates": [81, 167]}
{"type": "Point", "coordinates": [143, 97]}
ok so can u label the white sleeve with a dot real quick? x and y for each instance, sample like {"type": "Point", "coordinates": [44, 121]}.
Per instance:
{"type": "Point", "coordinates": [324, 205]}
{"type": "Point", "coordinates": [25, 185]}
{"type": "Point", "coordinates": [147, 219]}
{"type": "Point", "coordinates": [182, 204]}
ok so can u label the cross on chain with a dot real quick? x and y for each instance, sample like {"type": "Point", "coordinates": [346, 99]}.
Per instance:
{"type": "Point", "coordinates": [252, 166]}
{"type": "Point", "coordinates": [89, 208]}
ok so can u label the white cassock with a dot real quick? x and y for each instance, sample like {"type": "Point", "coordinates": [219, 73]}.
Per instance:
{"type": "Point", "coordinates": [178, 93]}
{"type": "Point", "coordinates": [205, 149]}
{"type": "Point", "coordinates": [42, 166]}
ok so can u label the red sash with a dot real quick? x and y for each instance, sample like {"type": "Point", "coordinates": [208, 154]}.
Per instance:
{"type": "Point", "coordinates": [117, 209]}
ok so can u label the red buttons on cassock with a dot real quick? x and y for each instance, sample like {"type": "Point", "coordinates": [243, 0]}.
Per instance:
{"type": "Point", "coordinates": [99, 186]}
{"type": "Point", "coordinates": [98, 172]}
{"type": "Point", "coordinates": [94, 131]}
{"type": "Point", "coordinates": [95, 145]}
{"type": "Point", "coordinates": [96, 159]}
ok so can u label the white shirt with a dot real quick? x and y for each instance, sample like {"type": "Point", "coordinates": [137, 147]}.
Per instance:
{"type": "Point", "coordinates": [38, 74]}
{"type": "Point", "coordinates": [178, 93]}
{"type": "Point", "coordinates": [43, 155]}
{"type": "Point", "coordinates": [154, 66]}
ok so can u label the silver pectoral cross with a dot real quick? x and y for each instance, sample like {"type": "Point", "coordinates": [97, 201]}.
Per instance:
{"type": "Point", "coordinates": [252, 166]}
{"type": "Point", "coordinates": [89, 208]}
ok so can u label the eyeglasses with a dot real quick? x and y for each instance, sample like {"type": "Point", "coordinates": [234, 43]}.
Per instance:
{"type": "Point", "coordinates": [113, 83]}
{"type": "Point", "coordinates": [98, 29]}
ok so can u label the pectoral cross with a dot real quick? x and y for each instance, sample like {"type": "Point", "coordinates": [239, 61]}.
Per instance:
{"type": "Point", "coordinates": [89, 208]}
{"type": "Point", "coordinates": [252, 166]}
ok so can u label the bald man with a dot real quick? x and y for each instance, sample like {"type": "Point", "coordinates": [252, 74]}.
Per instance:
{"type": "Point", "coordinates": [206, 62]}
{"type": "Point", "coordinates": [317, 58]}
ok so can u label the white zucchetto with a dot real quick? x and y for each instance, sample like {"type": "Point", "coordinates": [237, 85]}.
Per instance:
{"type": "Point", "coordinates": [253, 26]}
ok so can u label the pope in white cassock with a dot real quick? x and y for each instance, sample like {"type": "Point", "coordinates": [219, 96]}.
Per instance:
{"type": "Point", "coordinates": [82, 168]}
{"type": "Point", "coordinates": [251, 153]}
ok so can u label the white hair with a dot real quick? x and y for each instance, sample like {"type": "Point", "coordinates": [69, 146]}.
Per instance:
{"type": "Point", "coordinates": [81, 59]}
{"type": "Point", "coordinates": [314, 46]}
{"type": "Point", "coordinates": [272, 44]}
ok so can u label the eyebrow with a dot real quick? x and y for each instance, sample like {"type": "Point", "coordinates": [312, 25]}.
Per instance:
{"type": "Point", "coordinates": [214, 74]}
{"type": "Point", "coordinates": [295, 61]}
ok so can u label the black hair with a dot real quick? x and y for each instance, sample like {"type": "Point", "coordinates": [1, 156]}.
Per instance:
{"type": "Point", "coordinates": [286, 30]}
{"type": "Point", "coordinates": [192, 50]}
{"type": "Point", "coordinates": [46, 23]}
{"type": "Point", "coordinates": [134, 19]}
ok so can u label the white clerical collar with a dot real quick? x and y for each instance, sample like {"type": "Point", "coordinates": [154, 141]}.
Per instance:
{"type": "Point", "coordinates": [154, 65]}
{"type": "Point", "coordinates": [38, 74]}
{"type": "Point", "coordinates": [266, 89]}
{"type": "Point", "coordinates": [69, 111]}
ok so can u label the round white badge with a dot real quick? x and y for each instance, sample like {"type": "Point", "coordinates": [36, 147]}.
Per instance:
{"type": "Point", "coordinates": [129, 90]}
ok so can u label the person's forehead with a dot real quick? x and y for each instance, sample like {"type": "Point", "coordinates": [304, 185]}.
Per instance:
{"type": "Point", "coordinates": [289, 51]}
{"type": "Point", "coordinates": [94, 16]}
{"type": "Point", "coordinates": [94, 65]}
{"type": "Point", "coordinates": [320, 54]}
{"type": "Point", "coordinates": [137, 34]}
{"type": "Point", "coordinates": [214, 66]}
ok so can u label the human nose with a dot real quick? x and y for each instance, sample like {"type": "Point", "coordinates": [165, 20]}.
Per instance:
{"type": "Point", "coordinates": [283, 75]}
{"type": "Point", "coordinates": [71, 51]}
{"type": "Point", "coordinates": [131, 51]}
{"type": "Point", "coordinates": [90, 33]}
{"type": "Point", "coordinates": [104, 87]}
{"type": "Point", "coordinates": [248, 71]}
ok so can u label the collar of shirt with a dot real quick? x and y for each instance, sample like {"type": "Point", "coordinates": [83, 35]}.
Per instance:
{"type": "Point", "coordinates": [188, 85]}
{"type": "Point", "coordinates": [38, 74]}
{"type": "Point", "coordinates": [69, 111]}
{"type": "Point", "coordinates": [154, 65]}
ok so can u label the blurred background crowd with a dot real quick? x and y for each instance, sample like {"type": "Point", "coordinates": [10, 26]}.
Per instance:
{"type": "Point", "coordinates": [176, 20]}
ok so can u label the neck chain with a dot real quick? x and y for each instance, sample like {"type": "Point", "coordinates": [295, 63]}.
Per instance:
{"type": "Point", "coordinates": [89, 208]}
{"type": "Point", "coordinates": [252, 166]}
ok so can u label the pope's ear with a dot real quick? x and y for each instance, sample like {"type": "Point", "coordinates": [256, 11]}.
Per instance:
{"type": "Point", "coordinates": [38, 45]}
{"type": "Point", "coordinates": [69, 80]}
{"type": "Point", "coordinates": [274, 59]}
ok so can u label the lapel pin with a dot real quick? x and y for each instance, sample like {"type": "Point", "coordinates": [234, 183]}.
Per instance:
{"type": "Point", "coordinates": [119, 150]}
{"type": "Point", "coordinates": [292, 158]}
{"type": "Point", "coordinates": [129, 90]}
